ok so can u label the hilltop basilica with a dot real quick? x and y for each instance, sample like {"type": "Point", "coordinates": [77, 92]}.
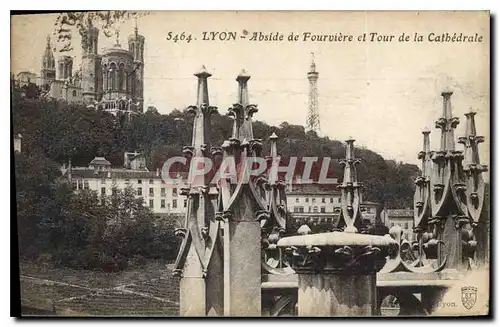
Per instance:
{"type": "Point", "coordinates": [112, 81]}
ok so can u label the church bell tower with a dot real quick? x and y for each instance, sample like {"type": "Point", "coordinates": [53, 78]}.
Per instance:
{"type": "Point", "coordinates": [48, 69]}
{"type": "Point", "coordinates": [136, 47]}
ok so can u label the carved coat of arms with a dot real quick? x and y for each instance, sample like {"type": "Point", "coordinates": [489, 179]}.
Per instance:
{"type": "Point", "coordinates": [469, 296]}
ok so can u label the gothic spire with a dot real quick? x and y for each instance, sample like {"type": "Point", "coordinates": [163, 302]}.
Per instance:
{"type": "Point", "coordinates": [243, 111]}
{"type": "Point", "coordinates": [473, 168]}
{"type": "Point", "coordinates": [351, 190]}
{"type": "Point", "coordinates": [447, 123]}
{"type": "Point", "coordinates": [48, 60]}
{"type": "Point", "coordinates": [202, 112]}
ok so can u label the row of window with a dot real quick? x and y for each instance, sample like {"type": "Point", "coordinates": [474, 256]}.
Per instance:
{"type": "Point", "coordinates": [127, 181]}
{"type": "Point", "coordinates": [300, 209]}
{"type": "Point", "coordinates": [162, 191]}
{"type": "Point", "coordinates": [406, 225]}
{"type": "Point", "coordinates": [139, 191]}
{"type": "Point", "coordinates": [315, 221]}
{"type": "Point", "coordinates": [80, 185]}
{"type": "Point", "coordinates": [162, 203]}
{"type": "Point", "coordinates": [313, 200]}
{"type": "Point", "coordinates": [139, 181]}
{"type": "Point", "coordinates": [84, 185]}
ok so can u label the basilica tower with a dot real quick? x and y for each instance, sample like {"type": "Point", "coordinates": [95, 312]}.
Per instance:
{"type": "Point", "coordinates": [136, 47]}
{"type": "Point", "coordinates": [91, 67]}
{"type": "Point", "coordinates": [48, 69]}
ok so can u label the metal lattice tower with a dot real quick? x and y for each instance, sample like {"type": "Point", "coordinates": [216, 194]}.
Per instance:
{"type": "Point", "coordinates": [313, 113]}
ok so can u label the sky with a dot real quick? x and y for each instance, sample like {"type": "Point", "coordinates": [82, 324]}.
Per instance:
{"type": "Point", "coordinates": [381, 94]}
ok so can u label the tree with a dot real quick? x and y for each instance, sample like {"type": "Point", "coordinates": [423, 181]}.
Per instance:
{"type": "Point", "coordinates": [152, 111]}
{"type": "Point", "coordinates": [36, 195]}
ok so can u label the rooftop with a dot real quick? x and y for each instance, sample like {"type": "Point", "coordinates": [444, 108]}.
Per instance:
{"type": "Point", "coordinates": [100, 161]}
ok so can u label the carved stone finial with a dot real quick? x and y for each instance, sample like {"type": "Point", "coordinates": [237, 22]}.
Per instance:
{"type": "Point", "coordinates": [338, 252]}
{"type": "Point", "coordinates": [202, 72]}
{"type": "Point", "coordinates": [243, 76]}
{"type": "Point", "coordinates": [242, 111]}
{"type": "Point", "coordinates": [304, 230]}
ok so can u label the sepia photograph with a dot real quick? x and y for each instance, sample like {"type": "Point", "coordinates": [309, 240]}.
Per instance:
{"type": "Point", "coordinates": [251, 163]}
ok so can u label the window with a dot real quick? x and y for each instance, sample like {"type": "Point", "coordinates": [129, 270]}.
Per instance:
{"type": "Point", "coordinates": [307, 199]}
{"type": "Point", "coordinates": [103, 191]}
{"type": "Point", "coordinates": [74, 185]}
{"type": "Point", "coordinates": [151, 203]}
{"type": "Point", "coordinates": [103, 181]}
{"type": "Point", "coordinates": [112, 76]}
{"type": "Point", "coordinates": [162, 203]}
{"type": "Point", "coordinates": [174, 203]}
{"type": "Point", "coordinates": [313, 200]}
{"type": "Point", "coordinates": [121, 77]}
{"type": "Point", "coordinates": [295, 209]}
{"type": "Point", "coordinates": [139, 181]}
{"type": "Point", "coordinates": [80, 185]}
{"type": "Point", "coordinates": [322, 209]}
{"type": "Point", "coordinates": [174, 191]}
{"type": "Point", "coordinates": [331, 200]}
{"type": "Point", "coordinates": [296, 200]}
{"type": "Point", "coordinates": [139, 191]}
{"type": "Point", "coordinates": [185, 203]}
{"type": "Point", "coordinates": [86, 185]}
{"type": "Point", "coordinates": [323, 200]}
{"type": "Point", "coordinates": [74, 93]}
{"type": "Point", "coordinates": [151, 181]}
{"type": "Point", "coordinates": [309, 209]}
{"type": "Point", "coordinates": [162, 191]}
{"type": "Point", "coordinates": [315, 209]}
{"type": "Point", "coordinates": [151, 191]}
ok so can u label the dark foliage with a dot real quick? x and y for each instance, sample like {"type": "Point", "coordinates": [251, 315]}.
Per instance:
{"type": "Point", "coordinates": [61, 131]}
{"type": "Point", "coordinates": [84, 230]}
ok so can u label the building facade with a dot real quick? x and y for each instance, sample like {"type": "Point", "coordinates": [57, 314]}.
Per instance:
{"type": "Point", "coordinates": [112, 81]}
{"type": "Point", "coordinates": [402, 218]}
{"type": "Point", "coordinates": [313, 204]}
{"type": "Point", "coordinates": [99, 176]}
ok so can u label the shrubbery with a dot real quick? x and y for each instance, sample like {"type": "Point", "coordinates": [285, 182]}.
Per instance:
{"type": "Point", "coordinates": [84, 230]}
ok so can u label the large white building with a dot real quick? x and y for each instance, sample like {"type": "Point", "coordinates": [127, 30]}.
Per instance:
{"type": "Point", "coordinates": [161, 197]}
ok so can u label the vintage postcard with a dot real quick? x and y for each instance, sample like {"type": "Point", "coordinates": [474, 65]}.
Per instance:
{"type": "Point", "coordinates": [243, 164]}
